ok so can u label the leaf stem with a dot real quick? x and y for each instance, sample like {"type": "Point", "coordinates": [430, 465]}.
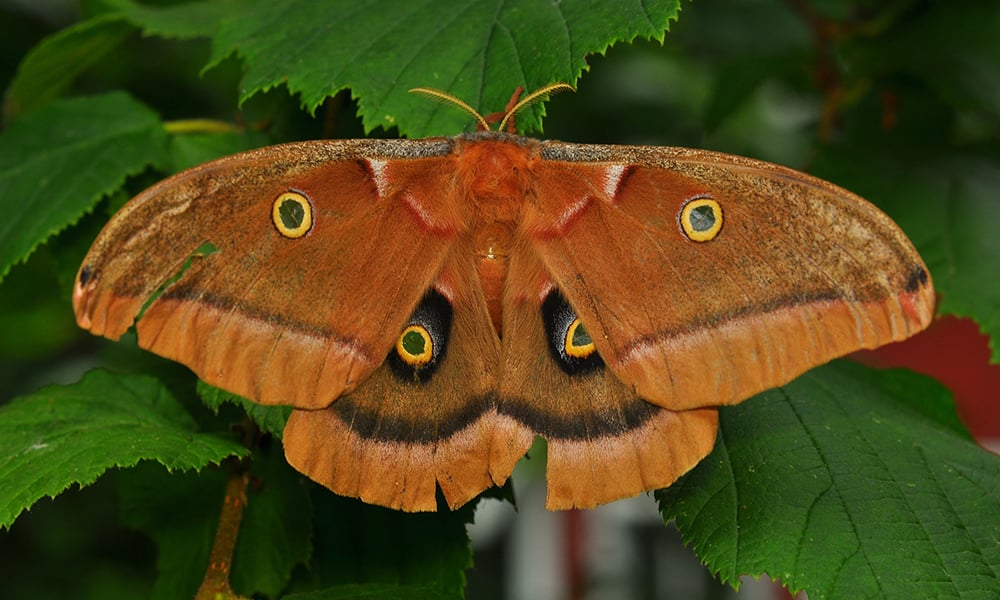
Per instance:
{"type": "Point", "coordinates": [199, 126]}
{"type": "Point", "coordinates": [215, 585]}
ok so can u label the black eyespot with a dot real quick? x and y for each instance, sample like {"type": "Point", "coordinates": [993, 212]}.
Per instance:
{"type": "Point", "coordinates": [421, 344]}
{"type": "Point", "coordinates": [569, 341]}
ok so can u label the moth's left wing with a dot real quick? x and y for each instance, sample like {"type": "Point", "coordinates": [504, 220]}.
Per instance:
{"type": "Point", "coordinates": [281, 317]}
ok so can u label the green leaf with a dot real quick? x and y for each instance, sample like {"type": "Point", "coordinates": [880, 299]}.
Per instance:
{"type": "Point", "coordinates": [378, 591]}
{"type": "Point", "coordinates": [75, 547]}
{"type": "Point", "coordinates": [34, 326]}
{"type": "Point", "coordinates": [192, 149]}
{"type": "Point", "coordinates": [427, 555]}
{"type": "Point", "coordinates": [962, 257]}
{"type": "Point", "coordinates": [181, 21]}
{"type": "Point", "coordinates": [51, 66]}
{"type": "Point", "coordinates": [276, 531]}
{"type": "Point", "coordinates": [962, 67]}
{"type": "Point", "coordinates": [356, 543]}
{"type": "Point", "coordinates": [270, 419]}
{"type": "Point", "coordinates": [65, 435]}
{"type": "Point", "coordinates": [947, 204]}
{"type": "Point", "coordinates": [180, 511]}
{"type": "Point", "coordinates": [840, 484]}
{"type": "Point", "coordinates": [478, 50]}
{"type": "Point", "coordinates": [57, 162]}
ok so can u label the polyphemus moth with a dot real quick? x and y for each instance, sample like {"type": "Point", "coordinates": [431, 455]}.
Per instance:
{"type": "Point", "coordinates": [430, 306]}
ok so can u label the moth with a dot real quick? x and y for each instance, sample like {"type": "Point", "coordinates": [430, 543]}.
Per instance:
{"type": "Point", "coordinates": [430, 306]}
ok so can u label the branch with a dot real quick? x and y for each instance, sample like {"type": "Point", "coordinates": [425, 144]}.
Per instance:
{"type": "Point", "coordinates": [215, 586]}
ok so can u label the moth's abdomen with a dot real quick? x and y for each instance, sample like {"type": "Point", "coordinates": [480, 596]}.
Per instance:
{"type": "Point", "coordinates": [492, 244]}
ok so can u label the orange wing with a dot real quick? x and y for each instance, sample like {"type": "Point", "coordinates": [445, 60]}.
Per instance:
{"type": "Point", "coordinates": [277, 319]}
{"type": "Point", "coordinates": [406, 431]}
{"type": "Point", "coordinates": [604, 441]}
{"type": "Point", "coordinates": [796, 273]}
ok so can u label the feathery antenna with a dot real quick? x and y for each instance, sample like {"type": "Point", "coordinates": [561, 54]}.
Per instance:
{"type": "Point", "coordinates": [536, 96]}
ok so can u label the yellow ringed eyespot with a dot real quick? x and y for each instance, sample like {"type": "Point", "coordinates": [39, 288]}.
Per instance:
{"type": "Point", "coordinates": [570, 344]}
{"type": "Point", "coordinates": [578, 342]}
{"type": "Point", "coordinates": [415, 346]}
{"type": "Point", "coordinates": [292, 214]}
{"type": "Point", "coordinates": [423, 342]}
{"type": "Point", "coordinates": [701, 219]}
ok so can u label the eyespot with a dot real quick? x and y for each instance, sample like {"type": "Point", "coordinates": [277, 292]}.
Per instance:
{"type": "Point", "coordinates": [415, 346]}
{"type": "Point", "coordinates": [701, 219]}
{"type": "Point", "coordinates": [578, 343]}
{"type": "Point", "coordinates": [421, 344]}
{"type": "Point", "coordinates": [569, 342]}
{"type": "Point", "coordinates": [292, 214]}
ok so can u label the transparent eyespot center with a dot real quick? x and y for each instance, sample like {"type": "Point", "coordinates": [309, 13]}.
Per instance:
{"type": "Point", "coordinates": [415, 346]}
{"type": "Point", "coordinates": [292, 214]}
{"type": "Point", "coordinates": [578, 342]}
{"type": "Point", "coordinates": [701, 219]}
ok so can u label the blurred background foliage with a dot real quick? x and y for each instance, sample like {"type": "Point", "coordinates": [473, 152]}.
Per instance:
{"type": "Point", "coordinates": [897, 100]}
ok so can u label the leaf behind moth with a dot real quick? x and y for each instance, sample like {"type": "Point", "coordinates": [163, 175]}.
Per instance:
{"type": "Point", "coordinates": [842, 483]}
